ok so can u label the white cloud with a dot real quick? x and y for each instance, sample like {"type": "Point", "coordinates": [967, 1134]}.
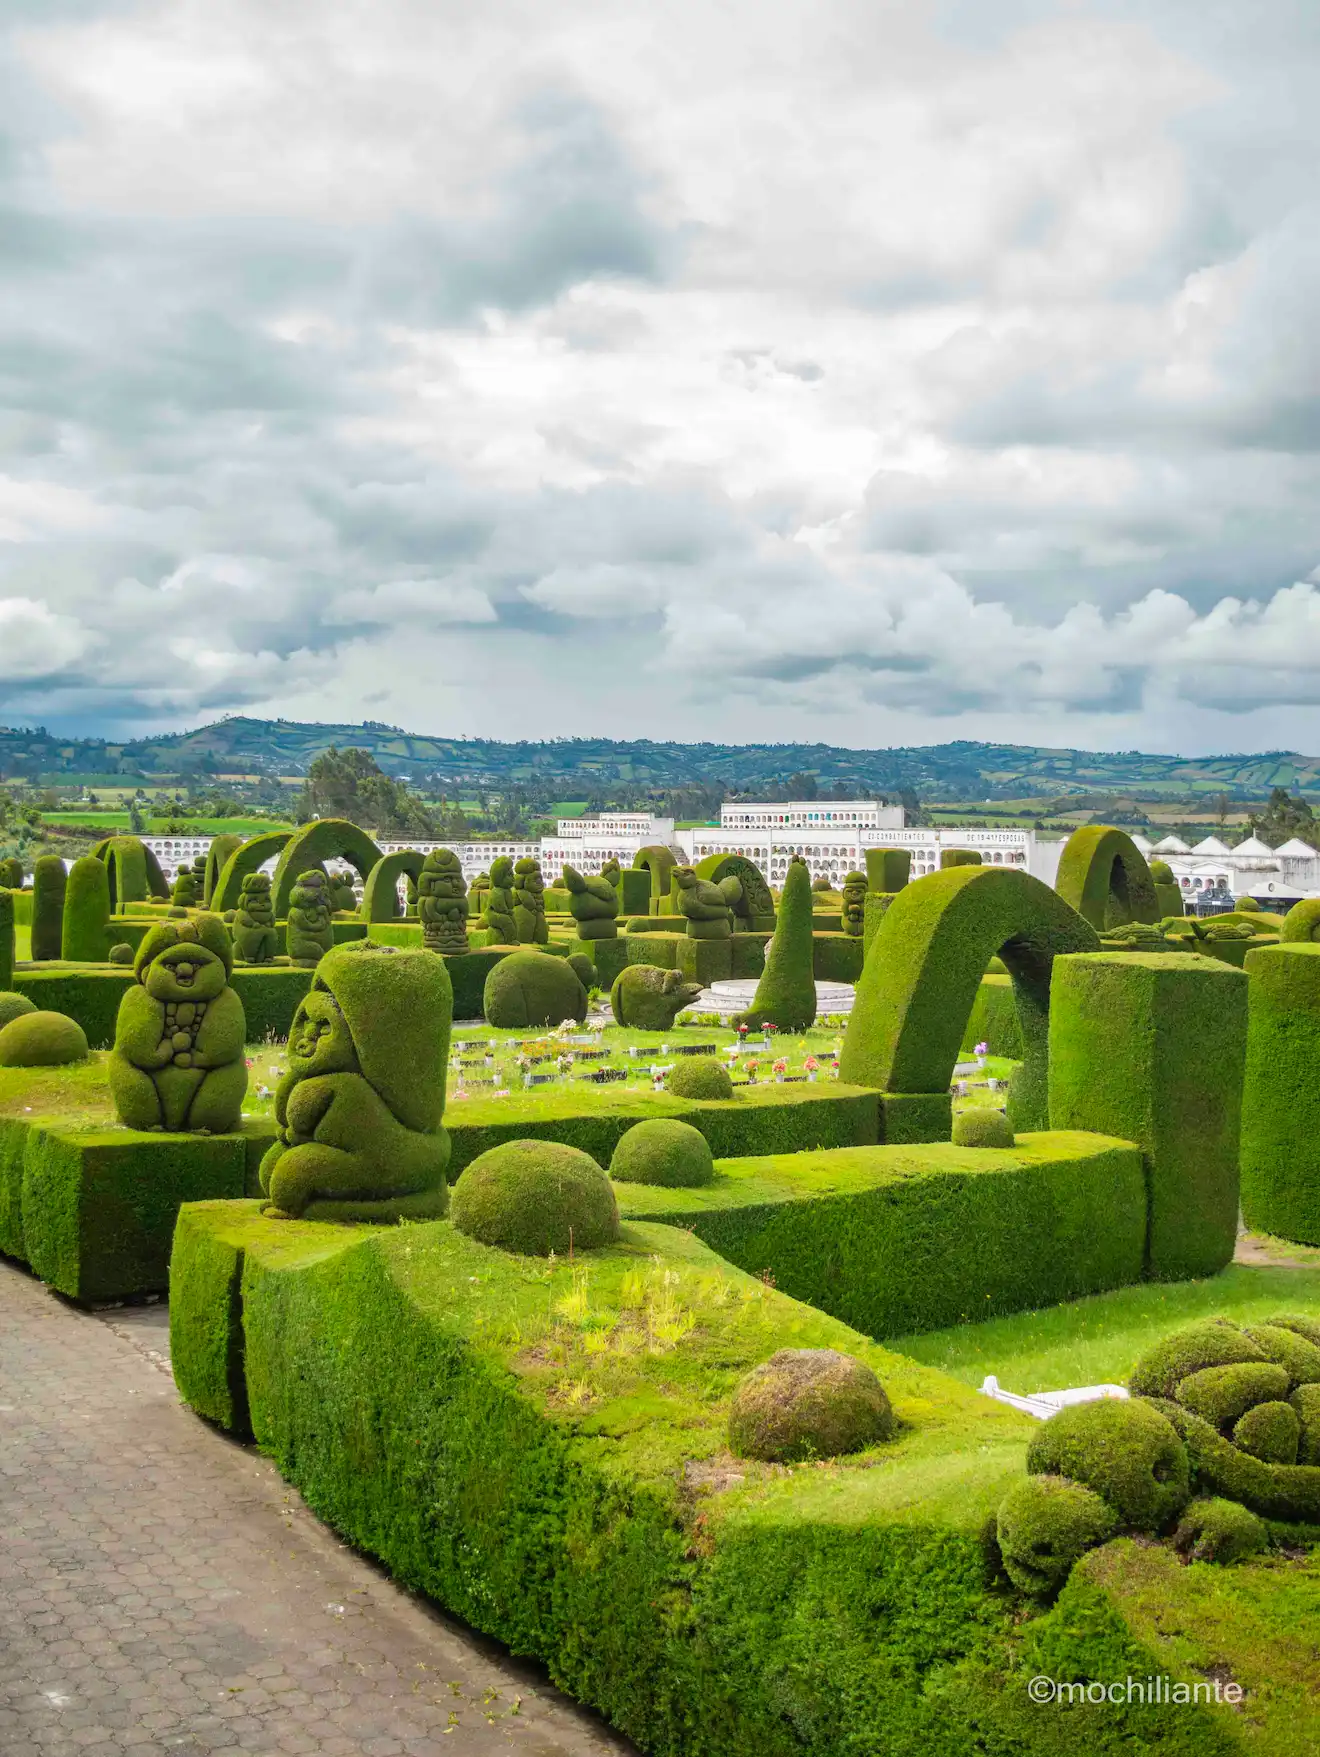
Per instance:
{"type": "Point", "coordinates": [35, 642]}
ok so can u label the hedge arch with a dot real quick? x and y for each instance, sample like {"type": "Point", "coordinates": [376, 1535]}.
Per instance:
{"type": "Point", "coordinates": [249, 858]}
{"type": "Point", "coordinates": [1104, 876]}
{"type": "Point", "coordinates": [923, 973]}
{"type": "Point", "coordinates": [329, 838]}
{"type": "Point", "coordinates": [755, 901]}
{"type": "Point", "coordinates": [217, 858]}
{"type": "Point", "coordinates": [380, 891]}
{"type": "Point", "coordinates": [1302, 922]}
{"type": "Point", "coordinates": [133, 870]}
{"type": "Point", "coordinates": [660, 862]}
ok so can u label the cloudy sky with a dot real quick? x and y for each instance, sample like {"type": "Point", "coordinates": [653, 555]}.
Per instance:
{"type": "Point", "coordinates": [872, 370]}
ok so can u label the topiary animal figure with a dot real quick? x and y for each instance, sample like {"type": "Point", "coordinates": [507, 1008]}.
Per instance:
{"type": "Point", "coordinates": [530, 926]}
{"type": "Point", "coordinates": [310, 931]}
{"type": "Point", "coordinates": [256, 938]}
{"type": "Point", "coordinates": [501, 929]}
{"type": "Point", "coordinates": [360, 1108]}
{"type": "Point", "coordinates": [786, 993]}
{"type": "Point", "coordinates": [42, 1040]}
{"type": "Point", "coordinates": [707, 908]}
{"type": "Point", "coordinates": [806, 1403]}
{"type": "Point", "coordinates": [648, 999]}
{"type": "Point", "coordinates": [442, 902]}
{"type": "Point", "coordinates": [184, 892]}
{"type": "Point", "coordinates": [854, 904]}
{"type": "Point", "coordinates": [532, 988]}
{"type": "Point", "coordinates": [11, 874]}
{"type": "Point", "coordinates": [535, 1197]}
{"type": "Point", "coordinates": [177, 1062]}
{"type": "Point", "coordinates": [593, 904]}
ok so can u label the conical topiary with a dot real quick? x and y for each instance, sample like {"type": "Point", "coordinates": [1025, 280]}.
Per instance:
{"type": "Point", "coordinates": [786, 993]}
{"type": "Point", "coordinates": [529, 903]}
{"type": "Point", "coordinates": [49, 882]}
{"type": "Point", "coordinates": [86, 928]}
{"type": "Point", "coordinates": [442, 902]}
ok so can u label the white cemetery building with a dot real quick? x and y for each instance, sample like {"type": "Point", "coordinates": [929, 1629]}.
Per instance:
{"type": "Point", "coordinates": [1253, 869]}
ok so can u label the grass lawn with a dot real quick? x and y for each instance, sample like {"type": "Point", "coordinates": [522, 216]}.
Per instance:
{"type": "Point", "coordinates": [156, 826]}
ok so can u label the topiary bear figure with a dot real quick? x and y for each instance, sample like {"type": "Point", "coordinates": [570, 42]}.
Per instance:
{"type": "Point", "coordinates": [442, 902]}
{"type": "Point", "coordinates": [648, 999]}
{"type": "Point", "coordinates": [706, 907]}
{"type": "Point", "coordinates": [183, 893]}
{"type": "Point", "coordinates": [343, 898]}
{"type": "Point", "coordinates": [177, 1062]}
{"type": "Point", "coordinates": [256, 938]}
{"type": "Point", "coordinates": [593, 904]}
{"type": "Point", "coordinates": [529, 921]}
{"type": "Point", "coordinates": [498, 918]}
{"type": "Point", "coordinates": [854, 904]}
{"type": "Point", "coordinates": [359, 1111]}
{"type": "Point", "coordinates": [310, 931]}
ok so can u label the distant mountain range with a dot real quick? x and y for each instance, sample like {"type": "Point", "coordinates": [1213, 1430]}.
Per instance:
{"type": "Point", "coordinates": [573, 767]}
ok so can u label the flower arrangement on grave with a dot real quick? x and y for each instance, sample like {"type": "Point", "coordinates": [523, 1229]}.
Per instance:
{"type": "Point", "coordinates": [810, 1067]}
{"type": "Point", "coordinates": [781, 1068]}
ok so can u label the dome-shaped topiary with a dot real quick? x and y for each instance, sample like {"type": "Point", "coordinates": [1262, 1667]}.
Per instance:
{"type": "Point", "coordinates": [700, 1077]}
{"type": "Point", "coordinates": [533, 988]}
{"type": "Point", "coordinates": [1044, 1525]}
{"type": "Point", "coordinates": [120, 953]}
{"type": "Point", "coordinates": [1208, 1343]}
{"type": "Point", "coordinates": [1270, 1432]}
{"type": "Point", "coordinates": [1220, 1395]}
{"type": "Point", "coordinates": [41, 1040]}
{"type": "Point", "coordinates": [535, 1197]}
{"type": "Point", "coordinates": [1126, 1451]}
{"type": "Point", "coordinates": [13, 1006]}
{"type": "Point", "coordinates": [1216, 1530]}
{"type": "Point", "coordinates": [808, 1403]}
{"type": "Point", "coordinates": [663, 1151]}
{"type": "Point", "coordinates": [1286, 1348]}
{"type": "Point", "coordinates": [982, 1127]}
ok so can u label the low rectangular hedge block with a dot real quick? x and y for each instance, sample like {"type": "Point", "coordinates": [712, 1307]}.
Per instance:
{"type": "Point", "coordinates": [826, 921]}
{"type": "Point", "coordinates": [836, 957]}
{"type": "Point", "coordinates": [89, 993]}
{"type": "Point", "coordinates": [1281, 1093]}
{"type": "Point", "coordinates": [660, 949]}
{"type": "Point", "coordinates": [893, 1240]}
{"type": "Point", "coordinates": [704, 961]}
{"type": "Point", "coordinates": [399, 933]}
{"type": "Point", "coordinates": [271, 995]}
{"type": "Point", "coordinates": [1151, 1047]}
{"type": "Point", "coordinates": [748, 952]}
{"type": "Point", "coordinates": [609, 957]}
{"type": "Point", "coordinates": [467, 974]}
{"type": "Point", "coordinates": [909, 1117]}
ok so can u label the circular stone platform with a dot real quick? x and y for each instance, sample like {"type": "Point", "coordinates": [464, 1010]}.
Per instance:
{"type": "Point", "coordinates": [735, 997]}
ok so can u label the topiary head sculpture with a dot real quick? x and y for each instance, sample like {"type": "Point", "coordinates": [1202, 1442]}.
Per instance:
{"type": "Point", "coordinates": [593, 904]}
{"type": "Point", "coordinates": [177, 1062]}
{"type": "Point", "coordinates": [706, 907]}
{"type": "Point", "coordinates": [442, 902]}
{"type": "Point", "coordinates": [359, 1110]}
{"type": "Point", "coordinates": [854, 904]}
{"type": "Point", "coordinates": [311, 931]}
{"type": "Point", "coordinates": [648, 999]}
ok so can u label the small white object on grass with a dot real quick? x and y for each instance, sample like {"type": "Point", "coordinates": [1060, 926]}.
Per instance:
{"type": "Point", "coordinates": [1044, 1404]}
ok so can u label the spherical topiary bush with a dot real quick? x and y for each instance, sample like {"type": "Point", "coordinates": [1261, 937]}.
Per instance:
{"type": "Point", "coordinates": [663, 1151]}
{"type": "Point", "coordinates": [533, 988]}
{"type": "Point", "coordinates": [535, 1197]}
{"type": "Point", "coordinates": [1162, 873]}
{"type": "Point", "coordinates": [1208, 1343]}
{"type": "Point", "coordinates": [700, 1077]}
{"type": "Point", "coordinates": [1215, 1530]}
{"type": "Point", "coordinates": [1220, 1395]}
{"type": "Point", "coordinates": [41, 1040]}
{"type": "Point", "coordinates": [120, 953]}
{"type": "Point", "coordinates": [1044, 1525]}
{"type": "Point", "coordinates": [808, 1403]}
{"type": "Point", "coordinates": [13, 1006]}
{"type": "Point", "coordinates": [982, 1127]}
{"type": "Point", "coordinates": [1270, 1432]}
{"type": "Point", "coordinates": [1306, 1401]}
{"type": "Point", "coordinates": [1126, 1451]}
{"type": "Point", "coordinates": [1296, 1353]}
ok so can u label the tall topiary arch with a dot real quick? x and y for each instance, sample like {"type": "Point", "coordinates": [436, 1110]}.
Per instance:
{"type": "Point", "coordinates": [217, 858]}
{"type": "Point", "coordinates": [660, 862]}
{"type": "Point", "coordinates": [924, 969]}
{"type": "Point", "coordinates": [134, 872]}
{"type": "Point", "coordinates": [329, 838]}
{"type": "Point", "coordinates": [755, 909]}
{"type": "Point", "coordinates": [249, 858]}
{"type": "Point", "coordinates": [1302, 922]}
{"type": "Point", "coordinates": [380, 891]}
{"type": "Point", "coordinates": [1104, 876]}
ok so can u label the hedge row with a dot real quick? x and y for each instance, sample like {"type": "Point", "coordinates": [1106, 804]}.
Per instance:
{"type": "Point", "coordinates": [1281, 1095]}
{"type": "Point", "coordinates": [91, 994]}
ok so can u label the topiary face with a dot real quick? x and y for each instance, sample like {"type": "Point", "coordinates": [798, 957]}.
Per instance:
{"type": "Point", "coordinates": [321, 1042]}
{"type": "Point", "coordinates": [1045, 1524]}
{"type": "Point", "coordinates": [186, 971]}
{"type": "Point", "coordinates": [1126, 1451]}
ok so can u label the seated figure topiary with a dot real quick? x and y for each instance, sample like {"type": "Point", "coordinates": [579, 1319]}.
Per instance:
{"type": "Point", "coordinates": [663, 1151]}
{"type": "Point", "coordinates": [535, 1197]}
{"type": "Point", "coordinates": [310, 931]}
{"type": "Point", "coordinates": [13, 1006]}
{"type": "Point", "coordinates": [854, 904]}
{"type": "Point", "coordinates": [806, 1403]}
{"type": "Point", "coordinates": [359, 1110]}
{"type": "Point", "coordinates": [442, 902]}
{"type": "Point", "coordinates": [478, 896]}
{"type": "Point", "coordinates": [700, 1076]}
{"type": "Point", "coordinates": [42, 1040]}
{"type": "Point", "coordinates": [184, 893]}
{"type": "Point", "coordinates": [593, 904]}
{"type": "Point", "coordinates": [707, 908]}
{"type": "Point", "coordinates": [501, 930]}
{"type": "Point", "coordinates": [11, 874]}
{"type": "Point", "coordinates": [177, 1062]}
{"type": "Point", "coordinates": [532, 988]}
{"type": "Point", "coordinates": [1044, 1525]}
{"type": "Point", "coordinates": [611, 872]}
{"type": "Point", "coordinates": [530, 926]}
{"type": "Point", "coordinates": [645, 998]}
{"type": "Point", "coordinates": [256, 938]}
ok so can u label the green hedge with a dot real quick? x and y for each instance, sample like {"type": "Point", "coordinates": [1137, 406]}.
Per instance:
{"type": "Point", "coordinates": [404, 1382]}
{"type": "Point", "coordinates": [91, 994]}
{"type": "Point", "coordinates": [6, 939]}
{"type": "Point", "coordinates": [895, 1240]}
{"type": "Point", "coordinates": [994, 1019]}
{"type": "Point", "coordinates": [836, 957]}
{"type": "Point", "coordinates": [660, 949]}
{"type": "Point", "coordinates": [1281, 1093]}
{"type": "Point", "coordinates": [1151, 1047]}
{"type": "Point", "coordinates": [1104, 876]}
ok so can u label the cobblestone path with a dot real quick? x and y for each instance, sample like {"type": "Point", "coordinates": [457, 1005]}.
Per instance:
{"type": "Point", "coordinates": [162, 1590]}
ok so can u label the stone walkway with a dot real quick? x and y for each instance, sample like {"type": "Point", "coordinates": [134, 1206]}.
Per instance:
{"type": "Point", "coordinates": [162, 1590]}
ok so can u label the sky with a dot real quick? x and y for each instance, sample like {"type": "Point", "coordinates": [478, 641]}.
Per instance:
{"type": "Point", "coordinates": [871, 371]}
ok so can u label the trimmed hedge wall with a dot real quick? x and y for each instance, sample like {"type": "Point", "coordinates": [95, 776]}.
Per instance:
{"type": "Point", "coordinates": [836, 957]}
{"type": "Point", "coordinates": [894, 1240]}
{"type": "Point", "coordinates": [1151, 1047]}
{"type": "Point", "coordinates": [91, 994]}
{"type": "Point", "coordinates": [6, 939]}
{"type": "Point", "coordinates": [1281, 1092]}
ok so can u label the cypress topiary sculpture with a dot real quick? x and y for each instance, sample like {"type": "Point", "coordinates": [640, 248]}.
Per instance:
{"type": "Point", "coordinates": [310, 931]}
{"type": "Point", "coordinates": [647, 999]}
{"type": "Point", "coordinates": [11, 874]}
{"type": "Point", "coordinates": [442, 902]}
{"type": "Point", "coordinates": [663, 1151]}
{"type": "Point", "coordinates": [177, 1062]}
{"type": "Point", "coordinates": [501, 929]}
{"type": "Point", "coordinates": [49, 883]}
{"type": "Point", "coordinates": [700, 1077]}
{"type": "Point", "coordinates": [42, 1040]}
{"type": "Point", "coordinates": [529, 921]}
{"type": "Point", "coordinates": [535, 1197]}
{"type": "Point", "coordinates": [532, 988]}
{"type": "Point", "coordinates": [86, 930]}
{"type": "Point", "coordinates": [360, 1109]}
{"type": "Point", "coordinates": [786, 993]}
{"type": "Point", "coordinates": [593, 904]}
{"type": "Point", "coordinates": [707, 908]}
{"type": "Point", "coordinates": [807, 1403]}
{"type": "Point", "coordinates": [13, 1006]}
{"type": "Point", "coordinates": [256, 938]}
{"type": "Point", "coordinates": [854, 904]}
{"type": "Point", "coordinates": [478, 896]}
{"type": "Point", "coordinates": [1214, 1530]}
{"type": "Point", "coordinates": [1124, 1450]}
{"type": "Point", "coordinates": [343, 897]}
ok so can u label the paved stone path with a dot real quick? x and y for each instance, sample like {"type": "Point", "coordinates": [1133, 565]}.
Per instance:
{"type": "Point", "coordinates": [162, 1590]}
